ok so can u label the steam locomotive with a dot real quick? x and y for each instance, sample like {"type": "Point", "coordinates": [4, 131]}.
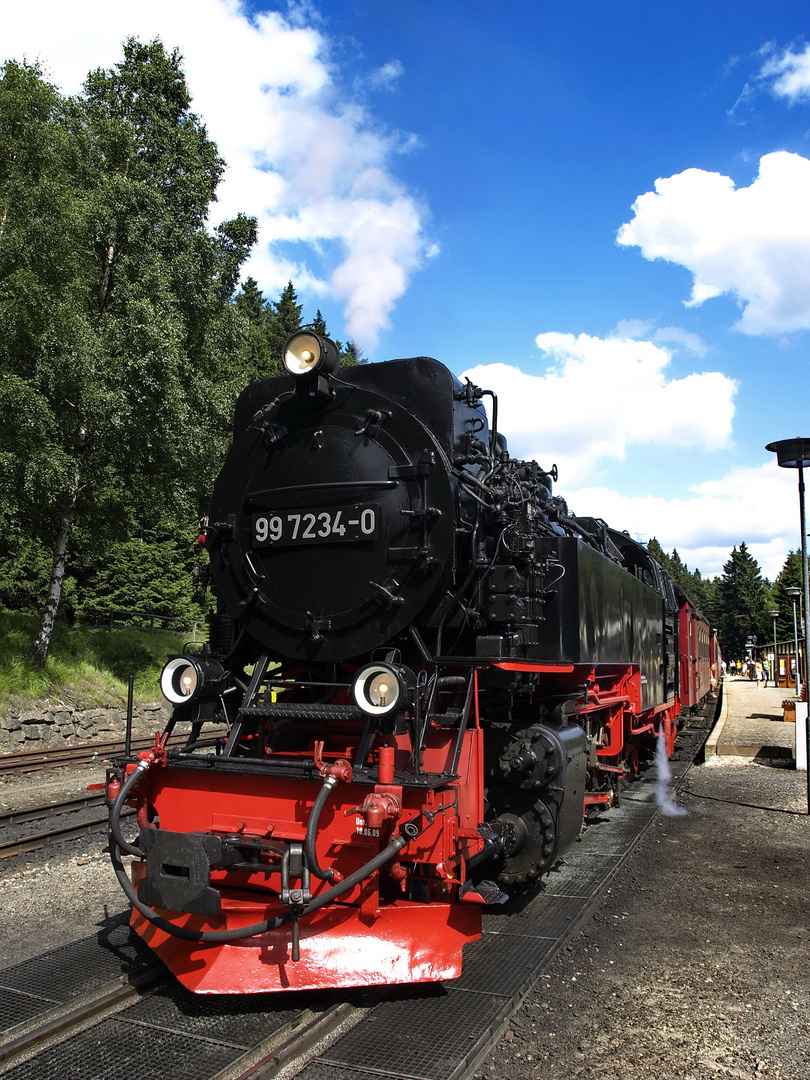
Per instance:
{"type": "Point", "coordinates": [430, 672]}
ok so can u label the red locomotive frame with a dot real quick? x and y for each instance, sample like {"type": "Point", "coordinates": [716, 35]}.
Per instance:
{"type": "Point", "coordinates": [371, 934]}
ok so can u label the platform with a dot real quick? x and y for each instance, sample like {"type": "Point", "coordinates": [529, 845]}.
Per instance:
{"type": "Point", "coordinates": [751, 723]}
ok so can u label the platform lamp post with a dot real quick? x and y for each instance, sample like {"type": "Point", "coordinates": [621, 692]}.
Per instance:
{"type": "Point", "coordinates": [774, 672]}
{"type": "Point", "coordinates": [794, 593]}
{"type": "Point", "coordinates": [795, 454]}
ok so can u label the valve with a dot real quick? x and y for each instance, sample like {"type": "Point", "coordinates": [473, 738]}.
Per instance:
{"type": "Point", "coordinates": [340, 771]}
{"type": "Point", "coordinates": [377, 808]}
{"type": "Point", "coordinates": [156, 755]}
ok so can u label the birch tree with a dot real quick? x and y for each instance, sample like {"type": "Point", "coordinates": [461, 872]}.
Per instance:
{"type": "Point", "coordinates": [114, 303]}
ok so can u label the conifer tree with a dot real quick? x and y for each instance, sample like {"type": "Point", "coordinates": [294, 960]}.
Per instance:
{"type": "Point", "coordinates": [318, 324]}
{"type": "Point", "coordinates": [700, 590]}
{"type": "Point", "coordinates": [283, 318]}
{"type": "Point", "coordinates": [251, 358]}
{"type": "Point", "coordinates": [743, 603]}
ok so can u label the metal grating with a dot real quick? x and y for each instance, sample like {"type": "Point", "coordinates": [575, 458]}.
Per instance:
{"type": "Point", "coordinates": [81, 966]}
{"type": "Point", "coordinates": [113, 1051]}
{"type": "Point", "coordinates": [318, 1070]}
{"type": "Point", "coordinates": [16, 1007]}
{"type": "Point", "coordinates": [585, 876]}
{"type": "Point", "coordinates": [639, 793]}
{"type": "Point", "coordinates": [425, 1038]}
{"type": "Point", "coordinates": [557, 915]}
{"type": "Point", "coordinates": [503, 963]}
{"type": "Point", "coordinates": [619, 832]}
{"type": "Point", "coordinates": [239, 1020]}
{"type": "Point", "coordinates": [517, 921]}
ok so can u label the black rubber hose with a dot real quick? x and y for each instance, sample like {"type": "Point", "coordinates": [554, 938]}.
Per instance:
{"type": "Point", "coordinates": [219, 937]}
{"type": "Point", "coordinates": [118, 805]}
{"type": "Point", "coordinates": [312, 831]}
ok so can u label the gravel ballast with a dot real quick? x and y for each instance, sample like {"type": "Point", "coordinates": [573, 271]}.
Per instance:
{"type": "Point", "coordinates": [696, 966]}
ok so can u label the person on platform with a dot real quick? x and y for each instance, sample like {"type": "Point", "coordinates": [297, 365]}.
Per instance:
{"type": "Point", "coordinates": [758, 672]}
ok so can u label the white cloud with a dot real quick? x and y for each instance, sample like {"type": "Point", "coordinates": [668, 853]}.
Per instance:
{"type": "Point", "coordinates": [718, 515]}
{"type": "Point", "coordinates": [752, 243]}
{"type": "Point", "coordinates": [308, 162]}
{"type": "Point", "coordinates": [600, 396]}
{"type": "Point", "coordinates": [385, 78]}
{"type": "Point", "coordinates": [790, 73]}
{"type": "Point", "coordinates": [679, 339]}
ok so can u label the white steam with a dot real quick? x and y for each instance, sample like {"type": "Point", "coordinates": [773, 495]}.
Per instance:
{"type": "Point", "coordinates": [663, 780]}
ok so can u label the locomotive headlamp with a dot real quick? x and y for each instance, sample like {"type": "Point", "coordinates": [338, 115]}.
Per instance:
{"type": "Point", "coordinates": [188, 678]}
{"type": "Point", "coordinates": [382, 688]}
{"type": "Point", "coordinates": [306, 353]}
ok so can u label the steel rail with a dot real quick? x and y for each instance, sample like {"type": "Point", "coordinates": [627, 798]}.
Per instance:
{"type": "Point", "coordinates": [17, 817]}
{"type": "Point", "coordinates": [294, 1050]}
{"type": "Point", "coordinates": [59, 1020]}
{"type": "Point", "coordinates": [24, 844]}
{"type": "Point", "coordinates": [29, 760]}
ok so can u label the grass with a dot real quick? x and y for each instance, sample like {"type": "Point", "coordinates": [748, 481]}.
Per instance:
{"type": "Point", "coordinates": [85, 668]}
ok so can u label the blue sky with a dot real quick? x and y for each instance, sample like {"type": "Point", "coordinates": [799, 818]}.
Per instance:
{"type": "Point", "coordinates": [599, 210]}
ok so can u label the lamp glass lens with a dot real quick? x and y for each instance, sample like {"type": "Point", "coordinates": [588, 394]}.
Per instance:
{"type": "Point", "coordinates": [303, 353]}
{"type": "Point", "coordinates": [381, 690]}
{"type": "Point", "coordinates": [179, 680]}
{"type": "Point", "coordinates": [377, 689]}
{"type": "Point", "coordinates": [187, 681]}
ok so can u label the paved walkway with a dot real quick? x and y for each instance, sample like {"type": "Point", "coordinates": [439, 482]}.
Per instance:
{"type": "Point", "coordinates": [751, 723]}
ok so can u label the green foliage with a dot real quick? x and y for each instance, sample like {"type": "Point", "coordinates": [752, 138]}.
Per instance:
{"type": "Point", "coordinates": [148, 574]}
{"type": "Point", "coordinates": [701, 591]}
{"type": "Point", "coordinates": [25, 567]}
{"type": "Point", "coordinates": [735, 603]}
{"type": "Point", "coordinates": [86, 668]}
{"type": "Point", "coordinates": [743, 603]}
{"type": "Point", "coordinates": [114, 306]}
{"type": "Point", "coordinates": [790, 576]}
{"type": "Point", "coordinates": [351, 354]}
{"type": "Point", "coordinates": [268, 325]}
{"type": "Point", "coordinates": [658, 553]}
{"type": "Point", "coordinates": [283, 319]}
{"type": "Point", "coordinates": [122, 342]}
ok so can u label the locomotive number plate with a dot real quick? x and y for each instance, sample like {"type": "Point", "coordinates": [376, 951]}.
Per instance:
{"type": "Point", "coordinates": [315, 526]}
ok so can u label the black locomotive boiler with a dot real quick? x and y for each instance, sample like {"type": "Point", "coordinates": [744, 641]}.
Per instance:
{"type": "Point", "coordinates": [429, 670]}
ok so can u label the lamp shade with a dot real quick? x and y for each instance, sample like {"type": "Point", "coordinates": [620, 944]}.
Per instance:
{"type": "Point", "coordinates": [791, 453]}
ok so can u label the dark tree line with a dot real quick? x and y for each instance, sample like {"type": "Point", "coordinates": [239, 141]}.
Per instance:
{"type": "Point", "coordinates": [124, 338]}
{"type": "Point", "coordinates": [738, 602]}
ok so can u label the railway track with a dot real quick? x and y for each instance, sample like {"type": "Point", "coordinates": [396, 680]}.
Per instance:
{"type": "Point", "coordinates": [20, 845]}
{"type": "Point", "coordinates": [254, 1043]}
{"type": "Point", "coordinates": [34, 760]}
{"type": "Point", "coordinates": [426, 1033]}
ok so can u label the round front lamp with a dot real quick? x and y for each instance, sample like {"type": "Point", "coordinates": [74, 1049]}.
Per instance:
{"type": "Point", "coordinates": [187, 678]}
{"type": "Point", "coordinates": [380, 688]}
{"type": "Point", "coordinates": [306, 353]}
